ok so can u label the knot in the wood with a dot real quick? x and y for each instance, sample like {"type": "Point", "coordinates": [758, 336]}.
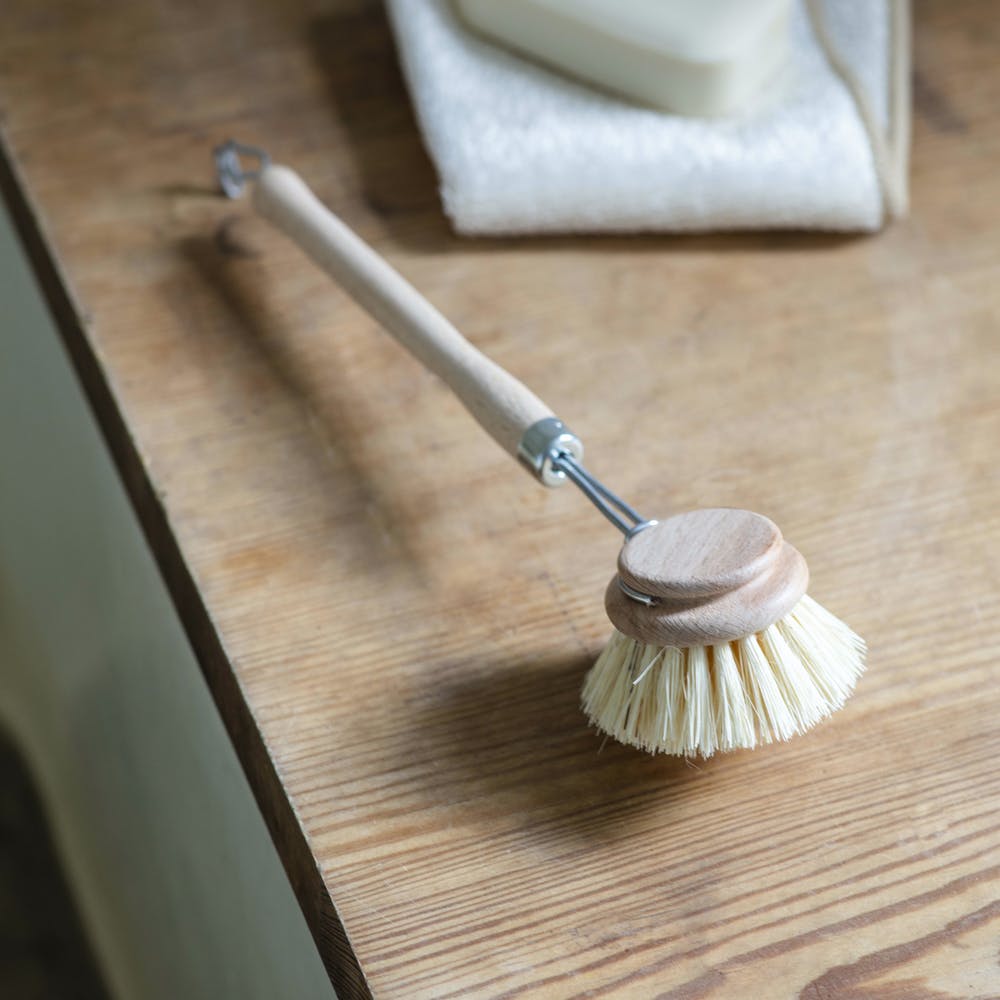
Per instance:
{"type": "Point", "coordinates": [716, 575]}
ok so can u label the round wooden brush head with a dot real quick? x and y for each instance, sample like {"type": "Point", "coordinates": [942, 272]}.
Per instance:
{"type": "Point", "coordinates": [705, 577]}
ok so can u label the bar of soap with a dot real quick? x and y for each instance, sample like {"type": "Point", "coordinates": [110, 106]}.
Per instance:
{"type": "Point", "coordinates": [694, 57]}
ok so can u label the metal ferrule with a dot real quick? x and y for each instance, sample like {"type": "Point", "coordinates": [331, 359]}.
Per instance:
{"type": "Point", "coordinates": [543, 444]}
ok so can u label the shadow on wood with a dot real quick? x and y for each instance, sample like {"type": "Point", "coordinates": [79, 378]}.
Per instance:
{"type": "Point", "coordinates": [509, 741]}
{"type": "Point", "coordinates": [306, 373]}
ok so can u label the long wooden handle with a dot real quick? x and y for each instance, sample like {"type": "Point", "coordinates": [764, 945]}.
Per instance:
{"type": "Point", "coordinates": [501, 404]}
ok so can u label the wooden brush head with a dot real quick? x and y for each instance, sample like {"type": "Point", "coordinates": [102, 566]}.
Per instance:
{"type": "Point", "coordinates": [714, 575]}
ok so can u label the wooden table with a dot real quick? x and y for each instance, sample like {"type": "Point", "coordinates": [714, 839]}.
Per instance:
{"type": "Point", "coordinates": [394, 621]}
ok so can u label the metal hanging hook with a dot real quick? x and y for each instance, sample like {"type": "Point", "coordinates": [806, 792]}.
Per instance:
{"type": "Point", "coordinates": [230, 170]}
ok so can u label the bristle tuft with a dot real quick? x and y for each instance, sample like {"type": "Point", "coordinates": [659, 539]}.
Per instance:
{"type": "Point", "coordinates": [697, 700]}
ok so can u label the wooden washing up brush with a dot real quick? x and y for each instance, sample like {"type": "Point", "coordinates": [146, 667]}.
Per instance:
{"type": "Point", "coordinates": [716, 645]}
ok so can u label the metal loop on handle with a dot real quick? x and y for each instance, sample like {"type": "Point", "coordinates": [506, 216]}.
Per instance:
{"type": "Point", "coordinates": [230, 170]}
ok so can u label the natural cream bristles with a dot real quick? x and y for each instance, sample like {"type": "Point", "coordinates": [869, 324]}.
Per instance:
{"type": "Point", "coordinates": [696, 700]}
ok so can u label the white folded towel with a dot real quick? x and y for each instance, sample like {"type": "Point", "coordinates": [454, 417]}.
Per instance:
{"type": "Point", "coordinates": [520, 148]}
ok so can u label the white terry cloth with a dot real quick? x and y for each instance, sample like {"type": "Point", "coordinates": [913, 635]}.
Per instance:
{"type": "Point", "coordinates": [521, 149]}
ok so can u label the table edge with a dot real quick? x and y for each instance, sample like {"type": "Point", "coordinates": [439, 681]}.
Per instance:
{"type": "Point", "coordinates": [324, 923]}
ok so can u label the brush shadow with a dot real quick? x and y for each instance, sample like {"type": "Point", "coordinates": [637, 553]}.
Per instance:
{"type": "Point", "coordinates": [356, 54]}
{"type": "Point", "coordinates": [512, 740]}
{"type": "Point", "coordinates": [224, 265]}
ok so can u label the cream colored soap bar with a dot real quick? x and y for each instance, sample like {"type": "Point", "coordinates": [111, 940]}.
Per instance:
{"type": "Point", "coordinates": [696, 57]}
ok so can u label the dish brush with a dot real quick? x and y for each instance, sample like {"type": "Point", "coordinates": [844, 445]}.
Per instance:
{"type": "Point", "coordinates": [716, 645]}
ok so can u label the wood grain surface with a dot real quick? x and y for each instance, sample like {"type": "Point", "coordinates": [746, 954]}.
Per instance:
{"type": "Point", "coordinates": [395, 620]}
